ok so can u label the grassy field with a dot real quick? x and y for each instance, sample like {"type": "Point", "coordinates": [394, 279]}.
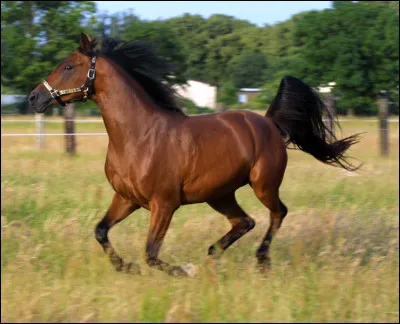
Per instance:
{"type": "Point", "coordinates": [335, 259]}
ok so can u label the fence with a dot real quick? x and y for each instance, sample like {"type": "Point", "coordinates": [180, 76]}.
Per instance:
{"type": "Point", "coordinates": [70, 135]}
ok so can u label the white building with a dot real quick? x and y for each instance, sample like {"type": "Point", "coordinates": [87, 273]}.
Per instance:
{"type": "Point", "coordinates": [202, 94]}
{"type": "Point", "coordinates": [326, 89]}
{"type": "Point", "coordinates": [10, 99]}
{"type": "Point", "coordinates": [245, 94]}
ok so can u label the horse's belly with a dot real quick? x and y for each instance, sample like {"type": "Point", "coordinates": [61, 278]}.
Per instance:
{"type": "Point", "coordinates": [214, 184]}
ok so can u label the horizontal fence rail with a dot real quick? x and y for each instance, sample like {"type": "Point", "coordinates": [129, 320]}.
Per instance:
{"type": "Point", "coordinates": [382, 119]}
{"type": "Point", "coordinates": [103, 134]}
{"type": "Point", "coordinates": [101, 121]}
{"type": "Point", "coordinates": [59, 134]}
{"type": "Point", "coordinates": [70, 136]}
{"type": "Point", "coordinates": [52, 121]}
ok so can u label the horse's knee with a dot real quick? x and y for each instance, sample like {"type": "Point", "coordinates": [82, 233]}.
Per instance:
{"type": "Point", "coordinates": [246, 224]}
{"type": "Point", "coordinates": [101, 231]}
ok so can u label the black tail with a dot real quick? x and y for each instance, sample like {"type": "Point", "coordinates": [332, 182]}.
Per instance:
{"type": "Point", "coordinates": [297, 111]}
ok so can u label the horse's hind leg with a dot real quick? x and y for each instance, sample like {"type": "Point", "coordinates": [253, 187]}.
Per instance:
{"type": "Point", "coordinates": [240, 221]}
{"type": "Point", "coordinates": [118, 210]}
{"type": "Point", "coordinates": [278, 212]}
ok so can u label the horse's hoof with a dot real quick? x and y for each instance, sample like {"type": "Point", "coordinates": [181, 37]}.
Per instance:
{"type": "Point", "coordinates": [264, 266]}
{"type": "Point", "coordinates": [132, 268]}
{"type": "Point", "coordinates": [190, 269]}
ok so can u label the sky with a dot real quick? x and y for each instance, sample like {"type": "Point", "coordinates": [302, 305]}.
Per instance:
{"type": "Point", "coordinates": [257, 12]}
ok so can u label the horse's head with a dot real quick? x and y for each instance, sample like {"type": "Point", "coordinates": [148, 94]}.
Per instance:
{"type": "Point", "coordinates": [72, 79]}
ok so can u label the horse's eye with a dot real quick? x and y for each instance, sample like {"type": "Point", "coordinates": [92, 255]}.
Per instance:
{"type": "Point", "coordinates": [68, 67]}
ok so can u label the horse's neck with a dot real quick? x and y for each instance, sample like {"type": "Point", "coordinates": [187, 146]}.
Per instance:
{"type": "Point", "coordinates": [129, 114]}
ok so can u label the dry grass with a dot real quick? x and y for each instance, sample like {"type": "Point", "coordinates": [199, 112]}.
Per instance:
{"type": "Point", "coordinates": [335, 258]}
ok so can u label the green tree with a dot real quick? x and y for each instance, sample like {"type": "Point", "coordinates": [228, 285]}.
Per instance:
{"type": "Point", "coordinates": [209, 44]}
{"type": "Point", "coordinates": [192, 33]}
{"type": "Point", "coordinates": [227, 94]}
{"type": "Point", "coordinates": [36, 35]}
{"type": "Point", "coordinates": [355, 45]}
{"type": "Point", "coordinates": [248, 70]}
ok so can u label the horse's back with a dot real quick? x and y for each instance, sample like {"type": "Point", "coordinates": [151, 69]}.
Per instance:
{"type": "Point", "coordinates": [254, 132]}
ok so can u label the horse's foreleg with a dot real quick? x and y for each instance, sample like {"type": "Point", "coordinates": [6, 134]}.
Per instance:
{"type": "Point", "coordinates": [119, 209]}
{"type": "Point", "coordinates": [161, 215]}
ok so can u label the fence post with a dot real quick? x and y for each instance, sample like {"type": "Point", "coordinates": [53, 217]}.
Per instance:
{"type": "Point", "coordinates": [39, 121]}
{"type": "Point", "coordinates": [383, 113]}
{"type": "Point", "coordinates": [55, 111]}
{"type": "Point", "coordinates": [69, 113]}
{"type": "Point", "coordinates": [221, 107]}
{"type": "Point", "coordinates": [330, 106]}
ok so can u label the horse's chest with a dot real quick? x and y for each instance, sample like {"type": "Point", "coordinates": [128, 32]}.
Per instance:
{"type": "Point", "coordinates": [123, 181]}
{"type": "Point", "coordinates": [118, 177]}
{"type": "Point", "coordinates": [115, 178]}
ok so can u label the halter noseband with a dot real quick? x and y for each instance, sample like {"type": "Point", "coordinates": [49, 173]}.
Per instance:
{"type": "Point", "coordinates": [87, 88]}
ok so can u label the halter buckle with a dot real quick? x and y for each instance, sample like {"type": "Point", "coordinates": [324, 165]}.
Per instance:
{"type": "Point", "coordinates": [91, 74]}
{"type": "Point", "coordinates": [54, 93]}
{"type": "Point", "coordinates": [85, 91]}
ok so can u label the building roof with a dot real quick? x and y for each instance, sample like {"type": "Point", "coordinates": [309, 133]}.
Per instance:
{"type": "Point", "coordinates": [250, 90]}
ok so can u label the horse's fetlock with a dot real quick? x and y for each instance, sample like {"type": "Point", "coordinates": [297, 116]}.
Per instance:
{"type": "Point", "coordinates": [251, 223]}
{"type": "Point", "coordinates": [101, 233]}
{"type": "Point", "coordinates": [152, 262]}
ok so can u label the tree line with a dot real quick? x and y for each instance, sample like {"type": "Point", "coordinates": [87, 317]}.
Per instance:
{"type": "Point", "coordinates": [355, 44]}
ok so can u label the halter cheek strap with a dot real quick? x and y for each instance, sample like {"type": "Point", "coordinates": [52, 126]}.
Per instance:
{"type": "Point", "coordinates": [87, 88]}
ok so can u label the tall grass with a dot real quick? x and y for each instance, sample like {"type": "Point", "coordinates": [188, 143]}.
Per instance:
{"type": "Point", "coordinates": [335, 258]}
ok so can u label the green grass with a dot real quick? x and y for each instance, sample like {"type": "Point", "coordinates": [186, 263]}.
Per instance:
{"type": "Point", "coordinates": [335, 258]}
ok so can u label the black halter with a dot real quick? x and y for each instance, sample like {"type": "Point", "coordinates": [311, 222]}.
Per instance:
{"type": "Point", "coordinates": [87, 88]}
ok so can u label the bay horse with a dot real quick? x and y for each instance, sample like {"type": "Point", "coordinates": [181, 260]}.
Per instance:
{"type": "Point", "coordinates": [159, 158]}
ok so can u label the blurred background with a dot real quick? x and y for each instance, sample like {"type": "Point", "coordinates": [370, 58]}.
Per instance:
{"type": "Point", "coordinates": [241, 50]}
{"type": "Point", "coordinates": [336, 256]}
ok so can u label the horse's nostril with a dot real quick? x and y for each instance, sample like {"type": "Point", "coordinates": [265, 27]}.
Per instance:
{"type": "Point", "coordinates": [32, 97]}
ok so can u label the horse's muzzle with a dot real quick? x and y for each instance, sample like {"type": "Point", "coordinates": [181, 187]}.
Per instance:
{"type": "Point", "coordinates": [39, 101]}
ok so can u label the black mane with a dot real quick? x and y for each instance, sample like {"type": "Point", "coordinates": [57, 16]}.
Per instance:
{"type": "Point", "coordinates": [142, 64]}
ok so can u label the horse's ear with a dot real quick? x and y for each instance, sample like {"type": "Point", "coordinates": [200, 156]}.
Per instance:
{"type": "Point", "coordinates": [84, 43]}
